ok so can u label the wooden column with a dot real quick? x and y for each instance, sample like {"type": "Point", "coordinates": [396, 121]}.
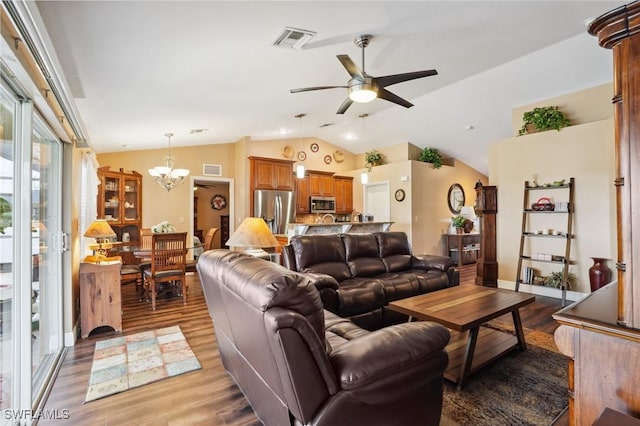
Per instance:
{"type": "Point", "coordinates": [619, 30]}
{"type": "Point", "coordinates": [486, 209]}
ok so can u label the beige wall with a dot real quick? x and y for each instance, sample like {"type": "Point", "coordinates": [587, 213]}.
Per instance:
{"type": "Point", "coordinates": [424, 214]}
{"type": "Point", "coordinates": [585, 152]}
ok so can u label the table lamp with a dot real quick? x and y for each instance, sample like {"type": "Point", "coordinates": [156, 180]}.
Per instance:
{"type": "Point", "coordinates": [253, 234]}
{"type": "Point", "coordinates": [469, 213]}
{"type": "Point", "coordinates": [102, 232]}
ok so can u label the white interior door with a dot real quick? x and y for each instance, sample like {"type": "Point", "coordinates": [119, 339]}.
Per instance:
{"type": "Point", "coordinates": [376, 201]}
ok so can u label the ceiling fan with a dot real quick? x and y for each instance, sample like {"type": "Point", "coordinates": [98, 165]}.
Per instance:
{"type": "Point", "coordinates": [363, 87]}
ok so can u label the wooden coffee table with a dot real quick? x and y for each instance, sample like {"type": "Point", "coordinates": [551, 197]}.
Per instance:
{"type": "Point", "coordinates": [463, 309]}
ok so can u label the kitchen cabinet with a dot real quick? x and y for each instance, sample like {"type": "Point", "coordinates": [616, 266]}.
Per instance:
{"type": "Point", "coordinates": [302, 195]}
{"type": "Point", "coordinates": [343, 188]}
{"type": "Point", "coordinates": [269, 173]}
{"type": "Point", "coordinates": [120, 202]}
{"type": "Point", "coordinates": [100, 299]}
{"type": "Point", "coordinates": [321, 184]}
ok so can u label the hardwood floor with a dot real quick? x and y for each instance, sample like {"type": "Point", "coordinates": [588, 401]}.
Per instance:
{"type": "Point", "coordinates": [204, 397]}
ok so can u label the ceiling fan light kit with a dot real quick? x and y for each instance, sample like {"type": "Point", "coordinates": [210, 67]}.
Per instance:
{"type": "Point", "coordinates": [363, 87]}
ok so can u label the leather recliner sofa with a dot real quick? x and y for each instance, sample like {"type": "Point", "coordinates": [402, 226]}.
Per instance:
{"type": "Point", "coordinates": [368, 271]}
{"type": "Point", "coordinates": [299, 364]}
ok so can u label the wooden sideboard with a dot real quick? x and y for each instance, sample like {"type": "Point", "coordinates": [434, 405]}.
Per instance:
{"type": "Point", "coordinates": [100, 299]}
{"type": "Point", "coordinates": [463, 248]}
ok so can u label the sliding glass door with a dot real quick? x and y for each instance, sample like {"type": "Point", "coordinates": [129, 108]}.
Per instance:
{"type": "Point", "coordinates": [30, 257]}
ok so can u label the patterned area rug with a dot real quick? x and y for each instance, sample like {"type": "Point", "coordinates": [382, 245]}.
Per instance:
{"type": "Point", "coordinates": [521, 388]}
{"type": "Point", "coordinates": [127, 362]}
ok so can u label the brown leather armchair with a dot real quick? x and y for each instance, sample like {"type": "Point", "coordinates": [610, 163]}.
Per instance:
{"type": "Point", "coordinates": [301, 365]}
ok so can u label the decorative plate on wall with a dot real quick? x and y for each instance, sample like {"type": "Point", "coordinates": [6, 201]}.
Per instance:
{"type": "Point", "coordinates": [314, 147]}
{"type": "Point", "coordinates": [218, 202]}
{"type": "Point", "coordinates": [302, 155]}
{"type": "Point", "coordinates": [327, 159]}
{"type": "Point", "coordinates": [338, 156]}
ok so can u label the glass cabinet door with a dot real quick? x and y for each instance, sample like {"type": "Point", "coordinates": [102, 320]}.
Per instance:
{"type": "Point", "coordinates": [111, 198]}
{"type": "Point", "coordinates": [131, 199]}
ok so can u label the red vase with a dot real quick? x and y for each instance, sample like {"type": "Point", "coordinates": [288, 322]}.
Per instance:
{"type": "Point", "coordinates": [599, 273]}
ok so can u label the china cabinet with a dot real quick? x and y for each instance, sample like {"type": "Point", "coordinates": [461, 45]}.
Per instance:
{"type": "Point", "coordinates": [120, 203]}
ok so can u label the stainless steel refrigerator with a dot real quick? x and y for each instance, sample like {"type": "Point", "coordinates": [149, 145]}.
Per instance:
{"type": "Point", "coordinates": [277, 208]}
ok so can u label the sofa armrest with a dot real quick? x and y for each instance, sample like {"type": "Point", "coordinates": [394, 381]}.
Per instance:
{"type": "Point", "coordinates": [327, 287]}
{"type": "Point", "coordinates": [401, 354]}
{"type": "Point", "coordinates": [429, 261]}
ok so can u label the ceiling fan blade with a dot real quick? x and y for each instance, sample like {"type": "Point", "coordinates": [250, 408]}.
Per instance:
{"type": "Point", "coordinates": [388, 96]}
{"type": "Point", "coordinates": [345, 105]}
{"type": "Point", "coordinates": [351, 68]}
{"type": "Point", "coordinates": [308, 89]}
{"type": "Point", "coordinates": [388, 80]}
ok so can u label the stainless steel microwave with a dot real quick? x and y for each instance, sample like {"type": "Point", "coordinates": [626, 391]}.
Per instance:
{"type": "Point", "coordinates": [323, 204]}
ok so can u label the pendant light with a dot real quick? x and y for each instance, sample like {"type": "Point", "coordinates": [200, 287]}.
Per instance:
{"type": "Point", "coordinates": [300, 164]}
{"type": "Point", "coordinates": [165, 175]}
{"type": "Point", "coordinates": [364, 176]}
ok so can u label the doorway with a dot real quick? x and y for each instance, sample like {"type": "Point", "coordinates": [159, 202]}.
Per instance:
{"type": "Point", "coordinates": [212, 207]}
{"type": "Point", "coordinates": [376, 201]}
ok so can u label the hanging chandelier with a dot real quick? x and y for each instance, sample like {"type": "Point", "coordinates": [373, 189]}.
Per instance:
{"type": "Point", "coordinates": [166, 175]}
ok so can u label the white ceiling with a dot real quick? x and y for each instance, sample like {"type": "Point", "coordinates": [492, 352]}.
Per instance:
{"type": "Point", "coordinates": [138, 70]}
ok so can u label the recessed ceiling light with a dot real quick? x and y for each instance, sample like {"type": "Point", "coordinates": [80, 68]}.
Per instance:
{"type": "Point", "coordinates": [469, 127]}
{"type": "Point", "coordinates": [349, 136]}
{"type": "Point", "coordinates": [284, 131]}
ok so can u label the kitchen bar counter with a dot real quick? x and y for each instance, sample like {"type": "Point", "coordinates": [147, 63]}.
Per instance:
{"type": "Point", "coordinates": [336, 228]}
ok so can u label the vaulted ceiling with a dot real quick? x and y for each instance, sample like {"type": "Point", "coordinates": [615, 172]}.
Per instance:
{"type": "Point", "coordinates": [140, 69]}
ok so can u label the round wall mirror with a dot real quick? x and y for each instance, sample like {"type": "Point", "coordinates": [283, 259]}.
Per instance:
{"type": "Point", "coordinates": [455, 198]}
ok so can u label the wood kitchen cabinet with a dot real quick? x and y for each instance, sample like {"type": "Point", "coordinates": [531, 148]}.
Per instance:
{"type": "Point", "coordinates": [343, 188]}
{"type": "Point", "coordinates": [302, 195]}
{"type": "Point", "coordinates": [321, 184]}
{"type": "Point", "coordinates": [100, 299]}
{"type": "Point", "coordinates": [120, 202]}
{"type": "Point", "coordinates": [269, 173]}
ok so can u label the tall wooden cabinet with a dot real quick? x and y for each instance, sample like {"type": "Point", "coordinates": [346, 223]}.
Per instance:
{"type": "Point", "coordinates": [486, 209]}
{"type": "Point", "coordinates": [601, 333]}
{"type": "Point", "coordinates": [120, 202]}
{"type": "Point", "coordinates": [302, 195]}
{"type": "Point", "coordinates": [270, 173]}
{"type": "Point", "coordinates": [100, 299]}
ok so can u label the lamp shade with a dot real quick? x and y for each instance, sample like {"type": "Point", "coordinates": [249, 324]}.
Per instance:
{"type": "Point", "coordinates": [468, 212]}
{"type": "Point", "coordinates": [99, 229]}
{"type": "Point", "coordinates": [253, 232]}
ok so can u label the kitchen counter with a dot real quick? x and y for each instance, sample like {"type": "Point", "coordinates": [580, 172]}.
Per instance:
{"type": "Point", "coordinates": [336, 228]}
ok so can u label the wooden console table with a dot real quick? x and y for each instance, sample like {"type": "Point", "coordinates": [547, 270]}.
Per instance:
{"type": "Point", "coordinates": [100, 300]}
{"type": "Point", "coordinates": [458, 242]}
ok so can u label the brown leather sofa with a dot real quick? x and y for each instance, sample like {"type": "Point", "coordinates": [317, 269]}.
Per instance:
{"type": "Point", "coordinates": [299, 364]}
{"type": "Point", "coordinates": [368, 271]}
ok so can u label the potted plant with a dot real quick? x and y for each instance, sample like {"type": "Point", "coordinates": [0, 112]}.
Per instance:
{"type": "Point", "coordinates": [458, 223]}
{"type": "Point", "coordinates": [543, 118]}
{"type": "Point", "coordinates": [555, 280]}
{"type": "Point", "coordinates": [431, 155]}
{"type": "Point", "coordinates": [372, 158]}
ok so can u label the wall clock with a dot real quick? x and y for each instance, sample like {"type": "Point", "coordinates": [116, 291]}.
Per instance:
{"type": "Point", "coordinates": [218, 202]}
{"type": "Point", "coordinates": [400, 195]}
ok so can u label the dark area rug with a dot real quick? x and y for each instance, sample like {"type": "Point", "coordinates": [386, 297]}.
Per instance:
{"type": "Point", "coordinates": [521, 388]}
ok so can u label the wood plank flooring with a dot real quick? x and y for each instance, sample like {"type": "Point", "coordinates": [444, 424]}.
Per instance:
{"type": "Point", "coordinates": [204, 397]}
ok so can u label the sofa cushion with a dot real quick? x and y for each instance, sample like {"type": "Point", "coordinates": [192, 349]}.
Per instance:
{"type": "Point", "coordinates": [323, 254]}
{"type": "Point", "coordinates": [400, 285]}
{"type": "Point", "coordinates": [395, 250]}
{"type": "Point", "coordinates": [362, 255]}
{"type": "Point", "coordinates": [430, 280]}
{"type": "Point", "coordinates": [358, 295]}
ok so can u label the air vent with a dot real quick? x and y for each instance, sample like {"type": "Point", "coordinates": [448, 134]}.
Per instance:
{"type": "Point", "coordinates": [212, 170]}
{"type": "Point", "coordinates": [293, 38]}
{"type": "Point", "coordinates": [326, 125]}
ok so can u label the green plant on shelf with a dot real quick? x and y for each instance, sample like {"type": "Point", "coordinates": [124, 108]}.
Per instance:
{"type": "Point", "coordinates": [458, 221]}
{"type": "Point", "coordinates": [372, 158]}
{"type": "Point", "coordinates": [431, 155]}
{"type": "Point", "coordinates": [555, 280]}
{"type": "Point", "coordinates": [543, 118]}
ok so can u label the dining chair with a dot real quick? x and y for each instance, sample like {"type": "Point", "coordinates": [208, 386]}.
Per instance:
{"type": "Point", "coordinates": [209, 238]}
{"type": "Point", "coordinates": [168, 262]}
{"type": "Point", "coordinates": [145, 262]}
